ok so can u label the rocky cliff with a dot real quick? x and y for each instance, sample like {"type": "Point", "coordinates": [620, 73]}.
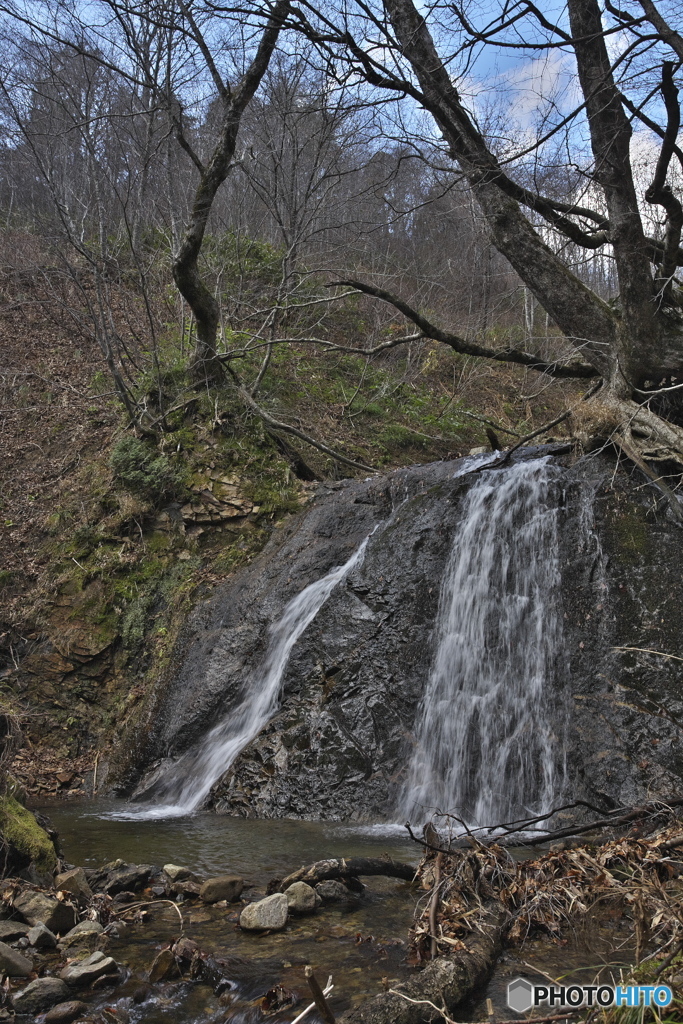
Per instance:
{"type": "Point", "coordinates": [339, 744]}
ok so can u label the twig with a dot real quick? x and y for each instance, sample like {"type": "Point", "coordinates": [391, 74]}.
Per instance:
{"type": "Point", "coordinates": [150, 903]}
{"type": "Point", "coordinates": [631, 815]}
{"type": "Point", "coordinates": [648, 650]}
{"type": "Point", "coordinates": [434, 904]}
{"type": "Point", "coordinates": [534, 433]}
{"type": "Point", "coordinates": [490, 423]}
{"type": "Point", "coordinates": [423, 842]}
{"type": "Point", "coordinates": [448, 1020]}
{"type": "Point", "coordinates": [288, 429]}
{"type": "Point", "coordinates": [422, 1002]}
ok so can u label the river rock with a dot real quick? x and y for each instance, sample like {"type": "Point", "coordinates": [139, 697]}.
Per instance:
{"type": "Point", "coordinates": [84, 972]}
{"type": "Point", "coordinates": [41, 937]}
{"type": "Point", "coordinates": [40, 995]}
{"type": "Point", "coordinates": [178, 874]}
{"type": "Point", "coordinates": [268, 914]}
{"type": "Point", "coordinates": [302, 898]}
{"type": "Point", "coordinates": [86, 933]}
{"type": "Point", "coordinates": [224, 887]}
{"type": "Point", "coordinates": [13, 963]}
{"type": "Point", "coordinates": [186, 888]}
{"type": "Point", "coordinates": [76, 883]}
{"type": "Point", "coordinates": [65, 1013]}
{"type": "Point", "coordinates": [12, 930]}
{"type": "Point", "coordinates": [130, 878]}
{"type": "Point", "coordinates": [164, 967]}
{"type": "Point", "coordinates": [37, 908]}
{"type": "Point", "coordinates": [332, 891]}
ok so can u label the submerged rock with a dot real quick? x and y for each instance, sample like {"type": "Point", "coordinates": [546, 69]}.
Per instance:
{"type": "Point", "coordinates": [40, 995]}
{"type": "Point", "coordinates": [331, 891]}
{"type": "Point", "coordinates": [224, 887]}
{"type": "Point", "coordinates": [302, 898]}
{"type": "Point", "coordinates": [13, 963]}
{"type": "Point", "coordinates": [164, 967]}
{"type": "Point", "coordinates": [269, 914]}
{"type": "Point", "coordinates": [65, 1013]}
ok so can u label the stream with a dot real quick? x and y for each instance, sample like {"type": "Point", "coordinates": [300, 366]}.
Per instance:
{"type": "Point", "coordinates": [358, 944]}
{"type": "Point", "coordinates": [363, 945]}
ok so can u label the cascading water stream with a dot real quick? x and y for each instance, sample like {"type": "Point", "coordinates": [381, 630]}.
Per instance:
{"type": "Point", "coordinates": [489, 735]}
{"type": "Point", "coordinates": [190, 779]}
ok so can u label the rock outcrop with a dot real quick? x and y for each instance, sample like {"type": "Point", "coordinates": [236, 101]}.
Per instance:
{"type": "Point", "coordinates": [338, 745]}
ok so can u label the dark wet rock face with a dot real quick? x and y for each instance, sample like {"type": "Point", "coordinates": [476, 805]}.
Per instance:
{"type": "Point", "coordinates": [624, 588]}
{"type": "Point", "coordinates": [339, 744]}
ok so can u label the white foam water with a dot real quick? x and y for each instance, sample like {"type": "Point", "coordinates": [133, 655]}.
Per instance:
{"type": "Point", "coordinates": [489, 743]}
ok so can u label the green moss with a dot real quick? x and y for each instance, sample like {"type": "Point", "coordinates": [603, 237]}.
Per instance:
{"type": "Point", "coordinates": [631, 533]}
{"type": "Point", "coordinates": [20, 828]}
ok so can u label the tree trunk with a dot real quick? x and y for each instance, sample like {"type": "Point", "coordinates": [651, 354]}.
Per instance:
{"type": "Point", "coordinates": [205, 364]}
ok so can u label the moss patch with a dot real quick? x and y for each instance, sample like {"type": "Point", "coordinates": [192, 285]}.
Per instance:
{"type": "Point", "coordinates": [20, 828]}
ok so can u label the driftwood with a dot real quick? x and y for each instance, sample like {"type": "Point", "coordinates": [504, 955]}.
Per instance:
{"type": "Point", "coordinates": [349, 867]}
{"type": "Point", "coordinates": [319, 997]}
{"type": "Point", "coordinates": [445, 982]}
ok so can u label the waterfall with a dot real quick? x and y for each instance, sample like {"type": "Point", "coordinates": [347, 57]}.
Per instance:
{"type": "Point", "coordinates": [189, 780]}
{"type": "Point", "coordinates": [489, 736]}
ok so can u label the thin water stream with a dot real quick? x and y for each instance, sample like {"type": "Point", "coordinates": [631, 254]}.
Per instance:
{"type": "Point", "coordinates": [187, 783]}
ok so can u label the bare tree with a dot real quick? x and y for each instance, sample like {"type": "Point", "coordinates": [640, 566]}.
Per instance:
{"type": "Point", "coordinates": [634, 339]}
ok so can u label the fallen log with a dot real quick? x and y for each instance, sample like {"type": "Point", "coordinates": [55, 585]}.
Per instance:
{"type": "Point", "coordinates": [349, 867]}
{"type": "Point", "coordinates": [444, 982]}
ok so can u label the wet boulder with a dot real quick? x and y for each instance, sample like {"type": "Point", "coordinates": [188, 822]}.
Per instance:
{"type": "Point", "coordinates": [76, 883]}
{"type": "Point", "coordinates": [302, 898]}
{"type": "Point", "coordinates": [179, 874]}
{"type": "Point", "coordinates": [40, 995]}
{"type": "Point", "coordinates": [129, 879]}
{"type": "Point", "coordinates": [13, 963]}
{"type": "Point", "coordinates": [118, 876]}
{"type": "Point", "coordinates": [37, 908]}
{"type": "Point", "coordinates": [164, 967]}
{"type": "Point", "coordinates": [224, 887]}
{"type": "Point", "coordinates": [86, 933]}
{"type": "Point", "coordinates": [84, 972]}
{"type": "Point", "coordinates": [269, 914]}
{"type": "Point", "coordinates": [65, 1013]}
{"type": "Point", "coordinates": [41, 937]}
{"type": "Point", "coordinates": [331, 891]}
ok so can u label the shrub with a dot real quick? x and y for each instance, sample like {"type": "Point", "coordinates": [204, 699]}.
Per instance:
{"type": "Point", "coordinates": [146, 472]}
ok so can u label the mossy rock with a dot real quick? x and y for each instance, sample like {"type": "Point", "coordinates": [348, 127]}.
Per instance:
{"type": "Point", "coordinates": [24, 840]}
